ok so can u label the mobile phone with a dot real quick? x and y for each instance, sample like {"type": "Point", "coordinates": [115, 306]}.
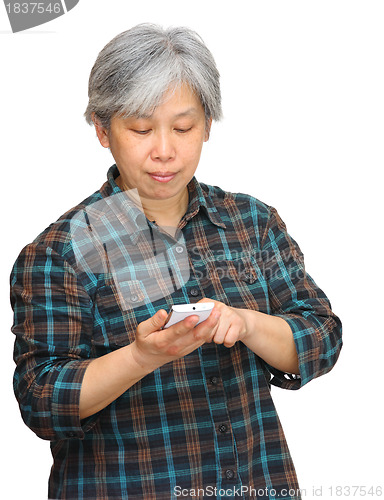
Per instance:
{"type": "Point", "coordinates": [182, 311]}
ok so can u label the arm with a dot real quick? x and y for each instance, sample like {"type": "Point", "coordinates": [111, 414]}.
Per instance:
{"type": "Point", "coordinates": [271, 338]}
{"type": "Point", "coordinates": [53, 331]}
{"type": "Point", "coordinates": [296, 298]}
{"type": "Point", "coordinates": [56, 382]}
{"type": "Point", "coordinates": [107, 377]}
{"type": "Point", "coordinates": [301, 335]}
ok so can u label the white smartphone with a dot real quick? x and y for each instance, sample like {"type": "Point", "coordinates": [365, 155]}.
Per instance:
{"type": "Point", "coordinates": [181, 311]}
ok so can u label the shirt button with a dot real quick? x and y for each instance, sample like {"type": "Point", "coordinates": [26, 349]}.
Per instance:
{"type": "Point", "coordinates": [249, 278]}
{"type": "Point", "coordinates": [223, 428]}
{"type": "Point", "coordinates": [214, 380]}
{"type": "Point", "coordinates": [141, 221]}
{"type": "Point", "coordinates": [134, 298]}
{"type": "Point", "coordinates": [229, 474]}
{"type": "Point", "coordinates": [179, 249]}
{"type": "Point", "coordinates": [194, 292]}
{"type": "Point", "coordinates": [71, 434]}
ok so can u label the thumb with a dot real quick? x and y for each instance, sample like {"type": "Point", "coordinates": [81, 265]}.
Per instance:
{"type": "Point", "coordinates": [152, 324]}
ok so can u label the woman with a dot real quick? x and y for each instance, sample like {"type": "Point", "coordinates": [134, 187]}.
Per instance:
{"type": "Point", "coordinates": [133, 410]}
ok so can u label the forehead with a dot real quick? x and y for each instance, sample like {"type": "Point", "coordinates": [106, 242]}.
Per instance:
{"type": "Point", "coordinates": [176, 102]}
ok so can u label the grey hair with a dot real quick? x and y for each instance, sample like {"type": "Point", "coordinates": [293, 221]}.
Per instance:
{"type": "Point", "coordinates": [135, 69]}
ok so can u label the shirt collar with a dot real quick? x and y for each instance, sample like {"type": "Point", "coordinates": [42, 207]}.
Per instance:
{"type": "Point", "coordinates": [125, 208]}
{"type": "Point", "coordinates": [112, 174]}
{"type": "Point", "coordinates": [198, 198]}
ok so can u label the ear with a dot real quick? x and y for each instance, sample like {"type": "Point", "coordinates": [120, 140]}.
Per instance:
{"type": "Point", "coordinates": [101, 131]}
{"type": "Point", "coordinates": [207, 130]}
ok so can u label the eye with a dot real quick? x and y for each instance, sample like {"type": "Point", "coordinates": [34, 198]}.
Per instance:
{"type": "Point", "coordinates": [183, 130]}
{"type": "Point", "coordinates": [141, 132]}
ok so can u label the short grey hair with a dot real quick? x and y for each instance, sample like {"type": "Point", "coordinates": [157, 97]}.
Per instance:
{"type": "Point", "coordinates": [135, 69]}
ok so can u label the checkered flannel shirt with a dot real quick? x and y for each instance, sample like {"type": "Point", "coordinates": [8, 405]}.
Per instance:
{"type": "Point", "coordinates": [202, 422]}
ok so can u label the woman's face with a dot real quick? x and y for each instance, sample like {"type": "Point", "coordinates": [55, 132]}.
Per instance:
{"type": "Point", "coordinates": [158, 155]}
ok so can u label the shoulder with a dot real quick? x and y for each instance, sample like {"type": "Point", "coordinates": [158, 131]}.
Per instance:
{"type": "Point", "coordinates": [58, 236]}
{"type": "Point", "coordinates": [243, 213]}
{"type": "Point", "coordinates": [240, 203]}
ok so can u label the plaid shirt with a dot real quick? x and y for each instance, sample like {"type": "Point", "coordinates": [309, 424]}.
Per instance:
{"type": "Point", "coordinates": [204, 425]}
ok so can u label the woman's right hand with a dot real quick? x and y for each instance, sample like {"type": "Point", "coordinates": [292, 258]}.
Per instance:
{"type": "Point", "coordinates": [154, 347]}
{"type": "Point", "coordinates": [107, 377]}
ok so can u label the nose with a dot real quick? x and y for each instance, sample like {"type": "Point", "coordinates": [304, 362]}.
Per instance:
{"type": "Point", "coordinates": [163, 148]}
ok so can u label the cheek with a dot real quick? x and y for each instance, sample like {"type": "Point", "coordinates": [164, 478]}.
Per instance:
{"type": "Point", "coordinates": [192, 150]}
{"type": "Point", "coordinates": [130, 153]}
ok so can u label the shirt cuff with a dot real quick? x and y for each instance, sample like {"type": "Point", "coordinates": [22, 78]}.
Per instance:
{"type": "Point", "coordinates": [308, 350]}
{"type": "Point", "coordinates": [65, 409]}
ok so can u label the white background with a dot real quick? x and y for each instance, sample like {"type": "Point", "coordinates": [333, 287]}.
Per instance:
{"type": "Point", "coordinates": [303, 100]}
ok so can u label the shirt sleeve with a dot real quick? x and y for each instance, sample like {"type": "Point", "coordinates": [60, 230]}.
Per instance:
{"type": "Point", "coordinates": [295, 297]}
{"type": "Point", "coordinates": [53, 329]}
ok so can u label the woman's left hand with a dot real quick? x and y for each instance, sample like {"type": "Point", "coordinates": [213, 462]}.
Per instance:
{"type": "Point", "coordinates": [231, 326]}
{"type": "Point", "coordinates": [268, 336]}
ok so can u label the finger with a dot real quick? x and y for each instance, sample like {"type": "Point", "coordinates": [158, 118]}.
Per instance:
{"type": "Point", "coordinates": [205, 300]}
{"type": "Point", "coordinates": [231, 337]}
{"type": "Point", "coordinates": [183, 326]}
{"type": "Point", "coordinates": [153, 324]}
{"type": "Point", "coordinates": [220, 334]}
{"type": "Point", "coordinates": [189, 322]}
{"type": "Point", "coordinates": [222, 330]}
{"type": "Point", "coordinates": [213, 332]}
{"type": "Point", "coordinates": [204, 330]}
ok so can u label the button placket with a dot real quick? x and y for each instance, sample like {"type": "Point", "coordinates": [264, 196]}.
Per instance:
{"type": "Point", "coordinates": [227, 455]}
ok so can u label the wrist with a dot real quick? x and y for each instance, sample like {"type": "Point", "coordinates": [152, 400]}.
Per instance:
{"type": "Point", "coordinates": [144, 363]}
{"type": "Point", "coordinates": [249, 319]}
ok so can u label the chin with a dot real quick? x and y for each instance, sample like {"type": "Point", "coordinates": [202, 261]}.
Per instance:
{"type": "Point", "coordinates": [164, 193]}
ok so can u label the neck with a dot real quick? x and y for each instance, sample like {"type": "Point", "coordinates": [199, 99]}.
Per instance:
{"type": "Point", "coordinates": [166, 212]}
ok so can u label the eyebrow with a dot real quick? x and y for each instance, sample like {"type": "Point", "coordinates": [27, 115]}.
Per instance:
{"type": "Point", "coordinates": [187, 112]}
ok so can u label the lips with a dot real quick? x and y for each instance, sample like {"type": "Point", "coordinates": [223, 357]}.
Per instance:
{"type": "Point", "coordinates": [162, 176]}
